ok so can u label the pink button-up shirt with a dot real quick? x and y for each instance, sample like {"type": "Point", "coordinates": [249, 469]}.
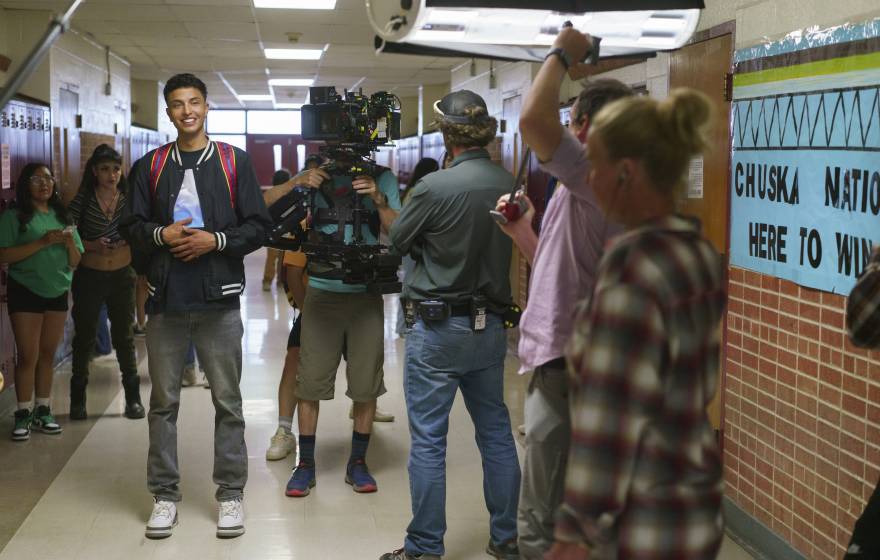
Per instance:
{"type": "Point", "coordinates": [572, 238]}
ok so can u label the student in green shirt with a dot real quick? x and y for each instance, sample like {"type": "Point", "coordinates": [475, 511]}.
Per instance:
{"type": "Point", "coordinates": [42, 248]}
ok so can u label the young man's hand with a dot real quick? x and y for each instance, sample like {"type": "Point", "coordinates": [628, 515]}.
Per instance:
{"type": "Point", "coordinates": [193, 244]}
{"type": "Point", "coordinates": [174, 232]}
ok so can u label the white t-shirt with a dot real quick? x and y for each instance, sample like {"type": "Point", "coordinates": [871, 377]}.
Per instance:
{"type": "Point", "coordinates": [188, 204]}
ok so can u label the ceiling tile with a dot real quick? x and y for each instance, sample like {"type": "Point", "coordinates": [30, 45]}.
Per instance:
{"type": "Point", "coordinates": [222, 30]}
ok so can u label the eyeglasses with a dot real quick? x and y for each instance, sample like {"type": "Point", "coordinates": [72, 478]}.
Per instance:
{"type": "Point", "coordinates": [42, 179]}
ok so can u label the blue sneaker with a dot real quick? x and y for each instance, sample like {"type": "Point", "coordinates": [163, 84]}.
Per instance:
{"type": "Point", "coordinates": [301, 482]}
{"type": "Point", "coordinates": [357, 474]}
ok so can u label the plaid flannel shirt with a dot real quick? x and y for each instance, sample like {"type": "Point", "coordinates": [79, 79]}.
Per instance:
{"type": "Point", "coordinates": [644, 475]}
{"type": "Point", "coordinates": [863, 306]}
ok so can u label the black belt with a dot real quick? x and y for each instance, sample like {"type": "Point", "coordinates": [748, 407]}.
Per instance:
{"type": "Point", "coordinates": [460, 310]}
{"type": "Point", "coordinates": [558, 363]}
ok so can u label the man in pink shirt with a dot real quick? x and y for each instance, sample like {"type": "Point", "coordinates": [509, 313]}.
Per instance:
{"type": "Point", "coordinates": [564, 261]}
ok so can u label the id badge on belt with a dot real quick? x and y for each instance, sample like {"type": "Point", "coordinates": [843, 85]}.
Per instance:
{"type": "Point", "coordinates": [478, 313]}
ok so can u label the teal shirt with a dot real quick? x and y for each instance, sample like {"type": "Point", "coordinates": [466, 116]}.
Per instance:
{"type": "Point", "coordinates": [387, 183]}
{"type": "Point", "coordinates": [46, 272]}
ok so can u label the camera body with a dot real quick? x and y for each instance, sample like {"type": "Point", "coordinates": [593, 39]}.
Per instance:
{"type": "Point", "coordinates": [352, 120]}
{"type": "Point", "coordinates": [353, 126]}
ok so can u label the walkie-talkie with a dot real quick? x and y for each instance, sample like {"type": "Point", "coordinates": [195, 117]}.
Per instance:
{"type": "Point", "coordinates": [514, 208]}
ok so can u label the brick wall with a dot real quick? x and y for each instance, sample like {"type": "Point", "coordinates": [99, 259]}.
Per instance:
{"type": "Point", "coordinates": [800, 404]}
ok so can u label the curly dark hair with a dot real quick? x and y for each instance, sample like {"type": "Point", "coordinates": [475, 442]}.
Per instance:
{"type": "Point", "coordinates": [102, 154]}
{"type": "Point", "coordinates": [24, 203]}
{"type": "Point", "coordinates": [179, 81]}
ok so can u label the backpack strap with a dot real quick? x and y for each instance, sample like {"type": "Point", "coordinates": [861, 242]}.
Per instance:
{"type": "Point", "coordinates": [227, 162]}
{"type": "Point", "coordinates": [157, 164]}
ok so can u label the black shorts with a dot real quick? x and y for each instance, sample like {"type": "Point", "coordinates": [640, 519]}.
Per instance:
{"type": "Point", "coordinates": [295, 333]}
{"type": "Point", "coordinates": [21, 300]}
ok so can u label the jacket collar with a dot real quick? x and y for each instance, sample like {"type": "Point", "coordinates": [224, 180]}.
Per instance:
{"type": "Point", "coordinates": [207, 152]}
{"type": "Point", "coordinates": [479, 153]}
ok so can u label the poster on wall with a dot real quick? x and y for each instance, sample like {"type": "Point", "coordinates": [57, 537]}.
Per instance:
{"type": "Point", "coordinates": [5, 167]}
{"type": "Point", "coordinates": [805, 184]}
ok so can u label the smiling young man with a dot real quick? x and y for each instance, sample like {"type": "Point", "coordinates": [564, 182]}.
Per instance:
{"type": "Point", "coordinates": [195, 210]}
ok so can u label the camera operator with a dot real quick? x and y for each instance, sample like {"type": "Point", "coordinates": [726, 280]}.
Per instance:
{"type": "Point", "coordinates": [455, 297]}
{"type": "Point", "coordinates": [337, 317]}
{"type": "Point", "coordinates": [564, 260]}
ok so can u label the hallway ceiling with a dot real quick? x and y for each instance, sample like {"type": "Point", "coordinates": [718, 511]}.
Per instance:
{"type": "Point", "coordinates": [222, 41]}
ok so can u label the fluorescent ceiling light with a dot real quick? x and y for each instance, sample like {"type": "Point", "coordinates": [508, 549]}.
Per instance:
{"type": "Point", "coordinates": [294, 54]}
{"type": "Point", "coordinates": [291, 82]}
{"type": "Point", "coordinates": [289, 105]}
{"type": "Point", "coordinates": [296, 4]}
{"type": "Point", "coordinates": [469, 29]}
{"type": "Point", "coordinates": [266, 97]}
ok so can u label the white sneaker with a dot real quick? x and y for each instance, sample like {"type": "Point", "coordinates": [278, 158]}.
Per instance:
{"type": "Point", "coordinates": [230, 522]}
{"type": "Point", "coordinates": [189, 375]}
{"type": "Point", "coordinates": [282, 444]}
{"type": "Point", "coordinates": [379, 416]}
{"type": "Point", "coordinates": [162, 520]}
{"type": "Point", "coordinates": [205, 383]}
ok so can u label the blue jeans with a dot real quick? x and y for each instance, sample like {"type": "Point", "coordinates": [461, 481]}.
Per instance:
{"type": "Point", "coordinates": [440, 359]}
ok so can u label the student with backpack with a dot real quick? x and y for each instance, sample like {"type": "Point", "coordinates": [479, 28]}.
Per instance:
{"type": "Point", "coordinates": [195, 211]}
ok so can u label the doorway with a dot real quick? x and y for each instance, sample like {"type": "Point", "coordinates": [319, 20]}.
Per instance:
{"type": "Point", "coordinates": [705, 66]}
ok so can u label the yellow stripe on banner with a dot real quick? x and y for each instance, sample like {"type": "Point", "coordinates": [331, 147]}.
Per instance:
{"type": "Point", "coordinates": [822, 68]}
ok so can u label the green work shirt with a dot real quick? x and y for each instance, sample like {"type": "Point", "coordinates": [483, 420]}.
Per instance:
{"type": "Point", "coordinates": [387, 183]}
{"type": "Point", "coordinates": [46, 272]}
{"type": "Point", "coordinates": [445, 225]}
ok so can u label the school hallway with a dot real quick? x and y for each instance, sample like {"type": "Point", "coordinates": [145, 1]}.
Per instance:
{"type": "Point", "coordinates": [97, 505]}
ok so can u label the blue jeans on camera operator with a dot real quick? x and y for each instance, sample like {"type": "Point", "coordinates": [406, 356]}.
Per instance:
{"type": "Point", "coordinates": [441, 358]}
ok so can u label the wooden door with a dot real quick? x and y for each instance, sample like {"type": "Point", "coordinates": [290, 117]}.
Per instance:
{"type": "Point", "coordinates": [262, 149]}
{"type": "Point", "coordinates": [705, 66]}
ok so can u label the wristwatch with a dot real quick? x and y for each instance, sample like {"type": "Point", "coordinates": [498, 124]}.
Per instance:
{"type": "Point", "coordinates": [563, 57]}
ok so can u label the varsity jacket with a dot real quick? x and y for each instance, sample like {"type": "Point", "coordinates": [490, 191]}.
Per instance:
{"type": "Point", "coordinates": [232, 207]}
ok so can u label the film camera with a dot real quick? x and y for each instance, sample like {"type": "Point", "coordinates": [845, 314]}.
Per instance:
{"type": "Point", "coordinates": [353, 126]}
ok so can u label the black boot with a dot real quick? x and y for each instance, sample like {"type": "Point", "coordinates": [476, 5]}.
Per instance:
{"type": "Point", "coordinates": [78, 398]}
{"type": "Point", "coordinates": [133, 407]}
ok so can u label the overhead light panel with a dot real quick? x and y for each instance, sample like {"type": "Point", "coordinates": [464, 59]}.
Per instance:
{"type": "Point", "coordinates": [291, 82]}
{"type": "Point", "coordinates": [296, 4]}
{"type": "Point", "coordinates": [294, 54]}
{"type": "Point", "coordinates": [247, 97]}
{"type": "Point", "coordinates": [528, 33]}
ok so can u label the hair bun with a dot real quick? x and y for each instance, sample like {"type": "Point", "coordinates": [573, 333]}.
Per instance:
{"type": "Point", "coordinates": [687, 115]}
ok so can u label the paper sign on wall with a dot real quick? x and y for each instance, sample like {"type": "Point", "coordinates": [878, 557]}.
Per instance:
{"type": "Point", "coordinates": [695, 178]}
{"type": "Point", "coordinates": [5, 167]}
{"type": "Point", "coordinates": [805, 184]}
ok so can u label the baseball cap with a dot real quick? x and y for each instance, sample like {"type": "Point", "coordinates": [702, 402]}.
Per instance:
{"type": "Point", "coordinates": [452, 107]}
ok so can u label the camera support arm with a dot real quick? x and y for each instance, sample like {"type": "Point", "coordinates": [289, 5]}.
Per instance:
{"type": "Point", "coordinates": [59, 25]}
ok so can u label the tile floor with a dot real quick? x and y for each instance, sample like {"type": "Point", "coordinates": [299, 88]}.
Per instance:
{"type": "Point", "coordinates": [96, 506]}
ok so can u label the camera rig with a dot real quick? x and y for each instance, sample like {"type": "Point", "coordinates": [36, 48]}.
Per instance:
{"type": "Point", "coordinates": [354, 126]}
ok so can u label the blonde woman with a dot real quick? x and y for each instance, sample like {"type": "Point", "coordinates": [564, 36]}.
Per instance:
{"type": "Point", "coordinates": [644, 476]}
